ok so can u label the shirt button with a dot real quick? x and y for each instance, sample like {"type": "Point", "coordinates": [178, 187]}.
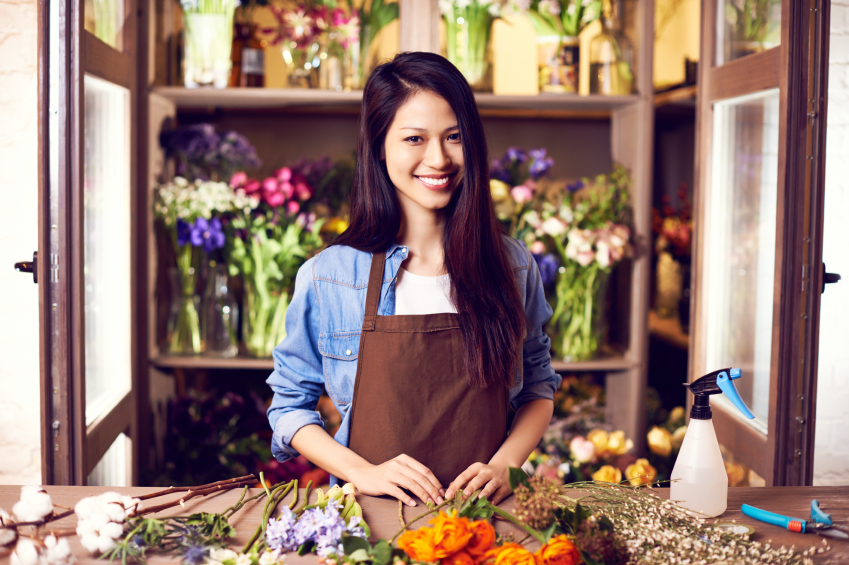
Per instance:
{"type": "Point", "coordinates": [348, 352]}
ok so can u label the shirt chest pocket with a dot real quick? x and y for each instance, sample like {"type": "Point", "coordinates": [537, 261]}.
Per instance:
{"type": "Point", "coordinates": [339, 351]}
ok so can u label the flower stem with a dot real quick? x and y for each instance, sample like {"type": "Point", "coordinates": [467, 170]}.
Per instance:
{"type": "Point", "coordinates": [510, 518]}
{"type": "Point", "coordinates": [417, 518]}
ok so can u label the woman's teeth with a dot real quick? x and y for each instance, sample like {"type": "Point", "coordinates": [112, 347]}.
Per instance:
{"type": "Point", "coordinates": [434, 182]}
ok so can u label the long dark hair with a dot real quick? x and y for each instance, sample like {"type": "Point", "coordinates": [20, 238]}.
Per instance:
{"type": "Point", "coordinates": [483, 287]}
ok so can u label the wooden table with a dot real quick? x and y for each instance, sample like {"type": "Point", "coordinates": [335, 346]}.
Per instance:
{"type": "Point", "coordinates": [382, 515]}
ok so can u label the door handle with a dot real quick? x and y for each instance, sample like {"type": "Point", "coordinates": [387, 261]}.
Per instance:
{"type": "Point", "coordinates": [828, 278]}
{"type": "Point", "coordinates": [29, 267]}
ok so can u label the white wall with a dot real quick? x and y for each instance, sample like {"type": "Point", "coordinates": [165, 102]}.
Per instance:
{"type": "Point", "coordinates": [20, 443]}
{"type": "Point", "coordinates": [831, 451]}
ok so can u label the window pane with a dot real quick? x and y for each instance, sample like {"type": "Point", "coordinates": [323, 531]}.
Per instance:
{"type": "Point", "coordinates": [738, 278]}
{"type": "Point", "coordinates": [105, 19]}
{"type": "Point", "coordinates": [106, 247]}
{"type": "Point", "coordinates": [111, 471]}
{"type": "Point", "coordinates": [744, 27]}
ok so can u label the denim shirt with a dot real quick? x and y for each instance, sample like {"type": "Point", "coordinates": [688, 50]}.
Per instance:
{"type": "Point", "coordinates": [323, 324]}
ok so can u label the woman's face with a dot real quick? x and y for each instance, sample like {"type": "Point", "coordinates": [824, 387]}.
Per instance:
{"type": "Point", "coordinates": [424, 155]}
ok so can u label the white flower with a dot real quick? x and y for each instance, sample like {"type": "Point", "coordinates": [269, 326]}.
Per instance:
{"type": "Point", "coordinates": [7, 535]}
{"type": "Point", "coordinates": [101, 519]}
{"type": "Point", "coordinates": [552, 7]}
{"type": "Point", "coordinates": [553, 227]}
{"type": "Point", "coordinates": [533, 219]}
{"type": "Point", "coordinates": [602, 254]}
{"type": "Point", "coordinates": [271, 558]}
{"type": "Point", "coordinates": [243, 559]}
{"type": "Point", "coordinates": [34, 505]}
{"type": "Point", "coordinates": [566, 214]}
{"type": "Point", "coordinates": [25, 553]}
{"type": "Point", "coordinates": [446, 7]}
{"type": "Point", "coordinates": [220, 555]}
{"type": "Point", "coordinates": [56, 551]}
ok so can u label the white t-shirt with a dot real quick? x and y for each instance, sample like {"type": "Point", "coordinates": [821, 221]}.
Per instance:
{"type": "Point", "coordinates": [418, 295]}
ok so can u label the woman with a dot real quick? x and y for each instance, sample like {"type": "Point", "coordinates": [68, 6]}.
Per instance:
{"type": "Point", "coordinates": [422, 321]}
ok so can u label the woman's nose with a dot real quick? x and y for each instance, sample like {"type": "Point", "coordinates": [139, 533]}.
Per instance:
{"type": "Point", "coordinates": [436, 157]}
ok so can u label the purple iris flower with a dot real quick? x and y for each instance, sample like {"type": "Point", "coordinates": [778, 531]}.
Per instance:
{"type": "Point", "coordinates": [540, 164]}
{"type": "Point", "coordinates": [575, 186]}
{"type": "Point", "coordinates": [499, 172]}
{"type": "Point", "coordinates": [516, 154]}
{"type": "Point", "coordinates": [208, 233]}
{"type": "Point", "coordinates": [184, 232]}
{"type": "Point", "coordinates": [548, 265]}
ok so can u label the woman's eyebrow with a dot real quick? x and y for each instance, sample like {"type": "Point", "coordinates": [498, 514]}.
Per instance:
{"type": "Point", "coordinates": [424, 130]}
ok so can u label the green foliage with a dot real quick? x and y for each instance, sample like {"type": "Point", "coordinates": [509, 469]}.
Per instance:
{"type": "Point", "coordinates": [518, 477]}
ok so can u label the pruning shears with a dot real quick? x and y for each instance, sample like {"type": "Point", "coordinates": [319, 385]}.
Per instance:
{"type": "Point", "coordinates": [820, 522]}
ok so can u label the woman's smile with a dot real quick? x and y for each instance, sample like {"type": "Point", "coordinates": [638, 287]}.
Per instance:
{"type": "Point", "coordinates": [436, 182]}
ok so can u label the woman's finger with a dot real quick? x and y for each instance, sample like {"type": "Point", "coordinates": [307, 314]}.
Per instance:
{"type": "Point", "coordinates": [500, 494]}
{"type": "Point", "coordinates": [489, 490]}
{"type": "Point", "coordinates": [436, 491]}
{"type": "Point", "coordinates": [478, 481]}
{"type": "Point", "coordinates": [400, 477]}
{"type": "Point", "coordinates": [430, 492]}
{"type": "Point", "coordinates": [460, 482]}
{"type": "Point", "coordinates": [393, 490]}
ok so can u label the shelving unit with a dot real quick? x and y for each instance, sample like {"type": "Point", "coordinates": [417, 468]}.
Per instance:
{"type": "Point", "coordinates": [627, 123]}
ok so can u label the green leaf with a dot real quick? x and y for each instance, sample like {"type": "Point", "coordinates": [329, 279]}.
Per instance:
{"type": "Point", "coordinates": [547, 533]}
{"type": "Point", "coordinates": [589, 560]}
{"type": "Point", "coordinates": [518, 477]}
{"type": "Point", "coordinates": [306, 548]}
{"type": "Point", "coordinates": [360, 555]}
{"type": "Point", "coordinates": [382, 552]}
{"type": "Point", "coordinates": [354, 543]}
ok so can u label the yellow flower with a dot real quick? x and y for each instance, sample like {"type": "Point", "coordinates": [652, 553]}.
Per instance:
{"type": "Point", "coordinates": [736, 474]}
{"type": "Point", "coordinates": [660, 441]}
{"type": "Point", "coordinates": [677, 414]}
{"type": "Point", "coordinates": [335, 225]}
{"type": "Point", "coordinates": [608, 474]}
{"type": "Point", "coordinates": [640, 473]}
{"type": "Point", "coordinates": [599, 439]}
{"type": "Point", "coordinates": [678, 437]}
{"type": "Point", "coordinates": [617, 444]}
{"type": "Point", "coordinates": [499, 190]}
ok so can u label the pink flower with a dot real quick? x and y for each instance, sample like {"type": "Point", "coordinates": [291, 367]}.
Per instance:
{"type": "Point", "coordinates": [270, 185]}
{"type": "Point", "coordinates": [293, 207]}
{"type": "Point", "coordinates": [302, 188]}
{"type": "Point", "coordinates": [582, 449]}
{"type": "Point", "coordinates": [288, 189]}
{"type": "Point", "coordinates": [238, 179]}
{"type": "Point", "coordinates": [274, 199]}
{"type": "Point", "coordinates": [283, 174]}
{"type": "Point", "coordinates": [537, 247]}
{"type": "Point", "coordinates": [521, 194]}
{"type": "Point", "coordinates": [252, 186]}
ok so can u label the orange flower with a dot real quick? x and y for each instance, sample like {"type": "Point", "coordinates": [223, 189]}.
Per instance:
{"type": "Point", "coordinates": [483, 536]}
{"type": "Point", "coordinates": [640, 473]}
{"type": "Point", "coordinates": [558, 551]}
{"type": "Point", "coordinates": [608, 474]}
{"type": "Point", "coordinates": [418, 544]}
{"type": "Point", "coordinates": [459, 558]}
{"type": "Point", "coordinates": [511, 554]}
{"type": "Point", "coordinates": [450, 534]}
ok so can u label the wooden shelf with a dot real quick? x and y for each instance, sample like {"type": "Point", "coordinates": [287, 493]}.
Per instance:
{"type": "Point", "coordinates": [603, 364]}
{"type": "Point", "coordinates": [684, 95]}
{"type": "Point", "coordinates": [669, 330]}
{"type": "Point", "coordinates": [543, 105]}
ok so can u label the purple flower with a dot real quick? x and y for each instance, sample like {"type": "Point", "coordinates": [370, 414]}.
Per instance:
{"type": "Point", "coordinates": [547, 267]}
{"type": "Point", "coordinates": [540, 164]}
{"type": "Point", "coordinates": [236, 152]}
{"type": "Point", "coordinates": [184, 232]}
{"type": "Point", "coordinates": [575, 186]}
{"type": "Point", "coordinates": [208, 234]}
{"type": "Point", "coordinates": [499, 172]}
{"type": "Point", "coordinates": [516, 154]}
{"type": "Point", "coordinates": [280, 533]}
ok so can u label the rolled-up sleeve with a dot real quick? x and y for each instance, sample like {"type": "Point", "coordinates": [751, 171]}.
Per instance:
{"type": "Point", "coordinates": [538, 378]}
{"type": "Point", "coordinates": [298, 378]}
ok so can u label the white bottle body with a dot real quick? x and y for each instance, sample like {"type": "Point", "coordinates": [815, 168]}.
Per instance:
{"type": "Point", "coordinates": [702, 484]}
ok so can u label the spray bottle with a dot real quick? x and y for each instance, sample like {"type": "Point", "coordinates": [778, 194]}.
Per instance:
{"type": "Point", "coordinates": [699, 481]}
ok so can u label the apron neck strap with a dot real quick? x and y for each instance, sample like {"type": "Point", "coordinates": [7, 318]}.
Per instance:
{"type": "Point", "coordinates": [375, 282]}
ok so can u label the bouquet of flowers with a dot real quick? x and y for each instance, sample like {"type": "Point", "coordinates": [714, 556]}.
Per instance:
{"type": "Point", "coordinates": [270, 242]}
{"type": "Point", "coordinates": [202, 153]}
{"type": "Point", "coordinates": [564, 18]}
{"type": "Point", "coordinates": [190, 213]}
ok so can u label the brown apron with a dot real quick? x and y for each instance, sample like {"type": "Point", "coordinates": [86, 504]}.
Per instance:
{"type": "Point", "coordinates": [412, 395]}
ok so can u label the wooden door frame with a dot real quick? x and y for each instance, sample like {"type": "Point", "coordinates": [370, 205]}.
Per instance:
{"type": "Point", "coordinates": [70, 449]}
{"type": "Point", "coordinates": [792, 379]}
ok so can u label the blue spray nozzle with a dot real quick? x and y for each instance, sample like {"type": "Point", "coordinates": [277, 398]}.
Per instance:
{"type": "Point", "coordinates": [727, 386]}
{"type": "Point", "coordinates": [717, 382]}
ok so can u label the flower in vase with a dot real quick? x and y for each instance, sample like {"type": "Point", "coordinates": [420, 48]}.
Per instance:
{"type": "Point", "coordinates": [208, 233]}
{"type": "Point", "coordinates": [580, 246]}
{"type": "Point", "coordinates": [184, 232]}
{"type": "Point", "coordinates": [346, 26]}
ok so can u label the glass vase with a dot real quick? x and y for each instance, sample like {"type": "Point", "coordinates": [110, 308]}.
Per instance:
{"type": "Point", "coordinates": [263, 319]}
{"type": "Point", "coordinates": [578, 325]}
{"type": "Point", "coordinates": [610, 71]}
{"type": "Point", "coordinates": [558, 63]}
{"type": "Point", "coordinates": [206, 60]}
{"type": "Point", "coordinates": [467, 32]}
{"type": "Point", "coordinates": [331, 72]}
{"type": "Point", "coordinates": [183, 330]}
{"type": "Point", "coordinates": [220, 315]}
{"type": "Point", "coordinates": [303, 64]}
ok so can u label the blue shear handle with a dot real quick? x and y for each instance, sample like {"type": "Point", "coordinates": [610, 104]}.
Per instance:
{"type": "Point", "coordinates": [727, 387]}
{"type": "Point", "coordinates": [770, 517]}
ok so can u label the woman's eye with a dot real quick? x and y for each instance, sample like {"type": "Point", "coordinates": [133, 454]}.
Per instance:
{"type": "Point", "coordinates": [413, 139]}
{"type": "Point", "coordinates": [454, 137]}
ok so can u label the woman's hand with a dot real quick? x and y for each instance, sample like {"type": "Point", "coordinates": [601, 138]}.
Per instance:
{"type": "Point", "coordinates": [401, 472]}
{"type": "Point", "coordinates": [492, 477]}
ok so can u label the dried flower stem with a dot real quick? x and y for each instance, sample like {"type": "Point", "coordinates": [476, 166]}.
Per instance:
{"type": "Point", "coordinates": [171, 490]}
{"type": "Point", "coordinates": [417, 518]}
{"type": "Point", "coordinates": [401, 513]}
{"type": "Point", "coordinates": [192, 493]}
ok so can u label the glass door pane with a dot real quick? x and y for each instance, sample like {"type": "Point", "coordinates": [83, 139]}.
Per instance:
{"type": "Point", "coordinates": [744, 27]}
{"type": "Point", "coordinates": [112, 469]}
{"type": "Point", "coordinates": [105, 19]}
{"type": "Point", "coordinates": [106, 269]}
{"type": "Point", "coordinates": [738, 277]}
